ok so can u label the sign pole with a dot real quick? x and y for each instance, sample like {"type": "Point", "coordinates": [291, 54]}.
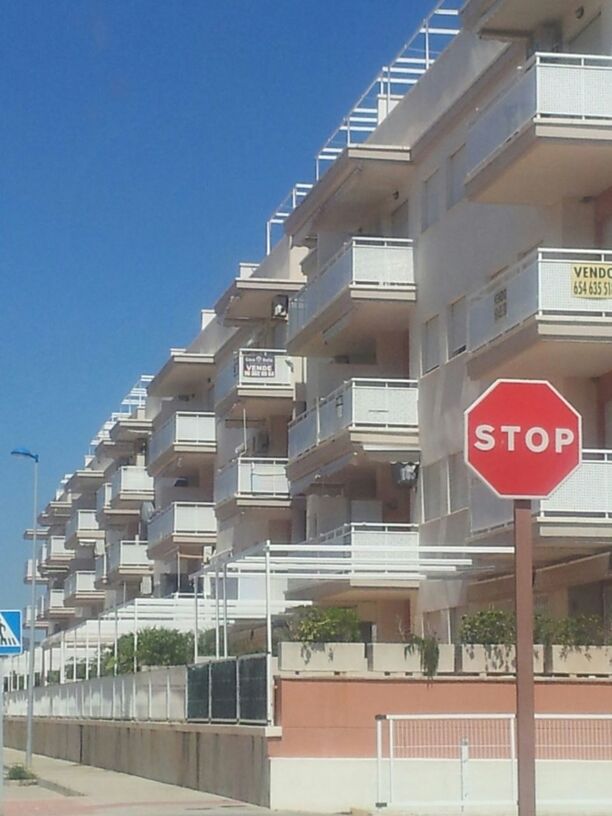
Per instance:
{"type": "Point", "coordinates": [525, 705]}
{"type": "Point", "coordinates": [2, 659]}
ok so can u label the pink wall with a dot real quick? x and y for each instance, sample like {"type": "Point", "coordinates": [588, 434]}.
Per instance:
{"type": "Point", "coordinates": [335, 716]}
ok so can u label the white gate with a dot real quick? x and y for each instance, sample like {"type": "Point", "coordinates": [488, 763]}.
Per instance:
{"type": "Point", "coordinates": [467, 762]}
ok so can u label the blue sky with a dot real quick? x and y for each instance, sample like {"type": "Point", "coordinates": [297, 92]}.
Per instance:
{"type": "Point", "coordinates": [142, 147]}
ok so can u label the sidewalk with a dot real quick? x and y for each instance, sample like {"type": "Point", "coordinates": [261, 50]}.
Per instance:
{"type": "Point", "coordinates": [67, 789]}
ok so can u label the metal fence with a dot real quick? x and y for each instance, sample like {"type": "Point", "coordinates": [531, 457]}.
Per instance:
{"type": "Point", "coordinates": [158, 695]}
{"type": "Point", "coordinates": [229, 690]}
{"type": "Point", "coordinates": [468, 761]}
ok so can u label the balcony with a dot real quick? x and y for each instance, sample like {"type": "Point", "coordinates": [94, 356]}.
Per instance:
{"type": "Point", "coordinates": [502, 19]}
{"type": "Point", "coordinates": [80, 588]}
{"type": "Point", "coordinates": [52, 608]}
{"type": "Point", "coordinates": [83, 529]}
{"type": "Point", "coordinates": [181, 370]}
{"type": "Point", "coordinates": [375, 420]}
{"type": "Point", "coordinates": [259, 380]}
{"type": "Point", "coordinates": [550, 314]}
{"type": "Point", "coordinates": [130, 486]}
{"type": "Point", "coordinates": [186, 440]}
{"type": "Point", "coordinates": [547, 137]}
{"type": "Point", "coordinates": [27, 618]}
{"type": "Point", "coordinates": [260, 483]}
{"type": "Point", "coordinates": [575, 520]}
{"type": "Point", "coordinates": [56, 555]}
{"type": "Point", "coordinates": [182, 527]}
{"type": "Point", "coordinates": [352, 560]}
{"type": "Point", "coordinates": [29, 571]}
{"type": "Point", "coordinates": [128, 560]}
{"type": "Point", "coordinates": [368, 286]}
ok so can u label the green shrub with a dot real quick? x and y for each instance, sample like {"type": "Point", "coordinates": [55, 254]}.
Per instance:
{"type": "Point", "coordinates": [429, 650]}
{"type": "Point", "coordinates": [317, 624]}
{"type": "Point", "coordinates": [488, 627]}
{"type": "Point", "coordinates": [583, 630]}
{"type": "Point", "coordinates": [20, 773]}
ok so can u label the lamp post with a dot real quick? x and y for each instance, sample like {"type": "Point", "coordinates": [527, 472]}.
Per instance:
{"type": "Point", "coordinates": [31, 666]}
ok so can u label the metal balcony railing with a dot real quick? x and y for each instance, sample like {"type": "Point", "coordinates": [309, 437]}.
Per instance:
{"type": "Point", "coordinates": [182, 518]}
{"type": "Point", "coordinates": [586, 495]}
{"type": "Point", "coordinates": [243, 477]}
{"type": "Point", "coordinates": [183, 428]}
{"type": "Point", "coordinates": [543, 283]}
{"type": "Point", "coordinates": [551, 87]}
{"type": "Point", "coordinates": [130, 480]}
{"type": "Point", "coordinates": [358, 403]}
{"type": "Point", "coordinates": [369, 263]}
{"type": "Point", "coordinates": [254, 367]}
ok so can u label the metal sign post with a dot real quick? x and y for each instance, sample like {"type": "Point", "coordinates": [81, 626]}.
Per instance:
{"type": "Point", "coordinates": [2, 659]}
{"type": "Point", "coordinates": [523, 439]}
{"type": "Point", "coordinates": [525, 687]}
{"type": "Point", "coordinates": [11, 643]}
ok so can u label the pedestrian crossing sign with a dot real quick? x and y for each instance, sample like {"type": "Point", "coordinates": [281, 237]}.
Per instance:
{"type": "Point", "coordinates": [10, 632]}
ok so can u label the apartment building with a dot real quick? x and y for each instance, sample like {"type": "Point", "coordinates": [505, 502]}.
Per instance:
{"type": "Point", "coordinates": [459, 230]}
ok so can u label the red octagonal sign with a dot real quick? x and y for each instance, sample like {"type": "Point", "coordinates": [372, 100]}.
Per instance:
{"type": "Point", "coordinates": [522, 438]}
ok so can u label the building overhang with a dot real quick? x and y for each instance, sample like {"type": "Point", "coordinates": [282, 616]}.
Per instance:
{"type": "Point", "coordinates": [512, 19]}
{"type": "Point", "coordinates": [357, 184]}
{"type": "Point", "coordinates": [253, 298]}
{"type": "Point", "coordinates": [180, 372]}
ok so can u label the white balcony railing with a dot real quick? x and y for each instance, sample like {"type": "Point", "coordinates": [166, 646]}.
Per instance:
{"type": "Point", "coordinates": [543, 283]}
{"type": "Point", "coordinates": [130, 481]}
{"type": "Point", "coordinates": [103, 497]}
{"type": "Point", "coordinates": [52, 601]}
{"type": "Point", "coordinates": [182, 519]}
{"type": "Point", "coordinates": [183, 428]}
{"type": "Point", "coordinates": [79, 582]}
{"type": "Point", "coordinates": [56, 550]}
{"type": "Point", "coordinates": [381, 263]}
{"type": "Point", "coordinates": [586, 495]}
{"type": "Point", "coordinates": [358, 403]}
{"type": "Point", "coordinates": [81, 522]}
{"type": "Point", "coordinates": [254, 367]}
{"type": "Point", "coordinates": [252, 477]}
{"type": "Point", "coordinates": [129, 555]}
{"type": "Point", "coordinates": [372, 545]}
{"type": "Point", "coordinates": [29, 571]}
{"type": "Point", "coordinates": [551, 87]}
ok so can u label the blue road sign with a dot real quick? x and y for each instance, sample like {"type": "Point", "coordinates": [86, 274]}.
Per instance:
{"type": "Point", "coordinates": [10, 632]}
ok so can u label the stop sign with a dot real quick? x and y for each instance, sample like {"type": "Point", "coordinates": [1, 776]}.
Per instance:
{"type": "Point", "coordinates": [522, 438]}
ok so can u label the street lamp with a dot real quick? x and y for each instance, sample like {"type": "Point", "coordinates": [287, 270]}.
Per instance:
{"type": "Point", "coordinates": [31, 667]}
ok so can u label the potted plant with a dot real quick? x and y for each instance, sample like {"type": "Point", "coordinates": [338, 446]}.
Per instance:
{"type": "Point", "coordinates": [488, 639]}
{"type": "Point", "coordinates": [580, 646]}
{"type": "Point", "coordinates": [323, 639]}
{"type": "Point", "coordinates": [415, 654]}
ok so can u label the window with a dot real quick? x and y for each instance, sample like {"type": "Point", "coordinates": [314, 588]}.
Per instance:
{"type": "Point", "coordinates": [455, 177]}
{"type": "Point", "coordinates": [457, 327]}
{"type": "Point", "coordinates": [457, 483]}
{"type": "Point", "coordinates": [431, 345]}
{"type": "Point", "coordinates": [430, 201]}
{"type": "Point", "coordinates": [435, 499]}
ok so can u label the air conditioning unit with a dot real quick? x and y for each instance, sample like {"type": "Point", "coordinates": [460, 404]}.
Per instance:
{"type": "Point", "coordinates": [405, 474]}
{"type": "Point", "coordinates": [280, 307]}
